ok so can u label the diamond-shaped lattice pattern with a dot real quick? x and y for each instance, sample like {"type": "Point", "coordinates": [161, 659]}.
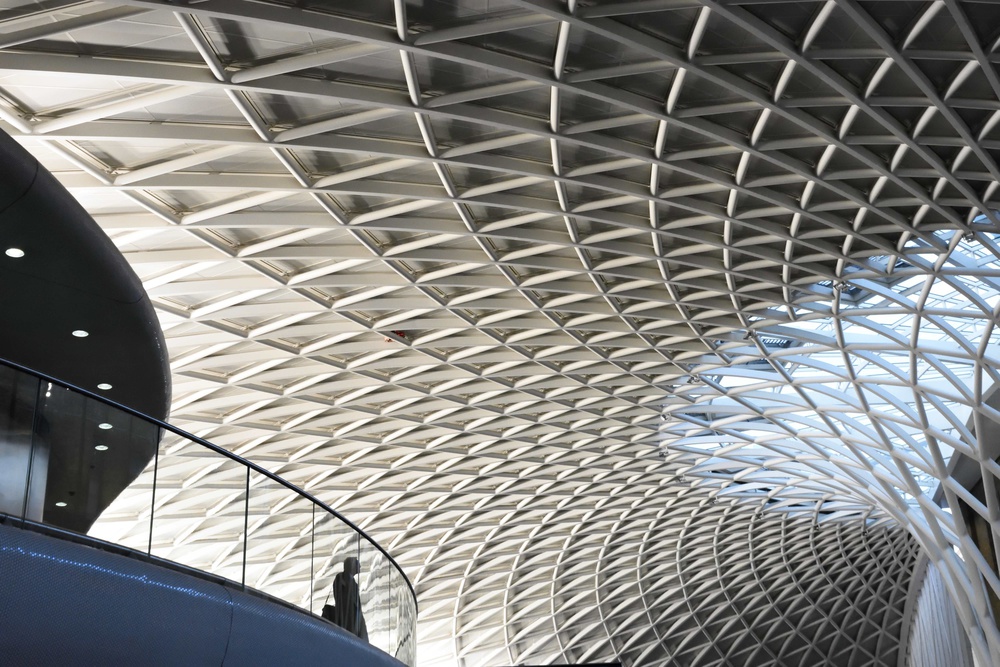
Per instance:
{"type": "Point", "coordinates": [718, 585]}
{"type": "Point", "coordinates": [498, 278]}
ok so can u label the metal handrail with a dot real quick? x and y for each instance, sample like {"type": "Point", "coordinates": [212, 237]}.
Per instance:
{"type": "Point", "coordinates": [221, 451]}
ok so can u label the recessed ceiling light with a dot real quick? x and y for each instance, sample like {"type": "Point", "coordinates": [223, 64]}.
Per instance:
{"type": "Point", "coordinates": [104, 386]}
{"type": "Point", "coordinates": [105, 426]}
{"type": "Point", "coordinates": [80, 333]}
{"type": "Point", "coordinates": [101, 448]}
{"type": "Point", "coordinates": [16, 253]}
{"type": "Point", "coordinates": [60, 504]}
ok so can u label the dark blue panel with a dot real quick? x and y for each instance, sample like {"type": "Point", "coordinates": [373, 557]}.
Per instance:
{"type": "Point", "coordinates": [68, 604]}
{"type": "Point", "coordinates": [65, 603]}
{"type": "Point", "coordinates": [293, 639]}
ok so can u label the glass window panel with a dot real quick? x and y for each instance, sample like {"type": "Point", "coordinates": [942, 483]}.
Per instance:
{"type": "Point", "coordinates": [127, 519]}
{"type": "Point", "coordinates": [84, 454]}
{"type": "Point", "coordinates": [18, 397]}
{"type": "Point", "coordinates": [375, 595]}
{"type": "Point", "coordinates": [280, 541]}
{"type": "Point", "coordinates": [335, 542]}
{"type": "Point", "coordinates": [200, 503]}
{"type": "Point", "coordinates": [402, 638]}
{"type": "Point", "coordinates": [336, 567]}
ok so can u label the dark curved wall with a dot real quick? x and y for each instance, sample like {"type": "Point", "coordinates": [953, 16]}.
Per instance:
{"type": "Point", "coordinates": [73, 277]}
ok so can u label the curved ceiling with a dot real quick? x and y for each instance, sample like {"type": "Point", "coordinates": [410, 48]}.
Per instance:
{"type": "Point", "coordinates": [502, 279]}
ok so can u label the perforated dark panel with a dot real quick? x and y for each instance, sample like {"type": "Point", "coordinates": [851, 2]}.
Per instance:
{"type": "Point", "coordinates": [63, 603]}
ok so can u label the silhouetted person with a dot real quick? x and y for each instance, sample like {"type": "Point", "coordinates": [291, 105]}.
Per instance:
{"type": "Point", "coordinates": [346, 608]}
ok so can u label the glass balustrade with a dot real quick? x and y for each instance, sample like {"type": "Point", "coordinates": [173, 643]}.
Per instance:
{"type": "Point", "coordinates": [73, 461]}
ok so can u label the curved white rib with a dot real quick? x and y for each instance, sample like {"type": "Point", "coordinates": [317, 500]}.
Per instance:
{"type": "Point", "coordinates": [545, 294]}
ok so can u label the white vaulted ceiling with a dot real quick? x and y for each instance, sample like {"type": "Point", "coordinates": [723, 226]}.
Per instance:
{"type": "Point", "coordinates": [547, 293]}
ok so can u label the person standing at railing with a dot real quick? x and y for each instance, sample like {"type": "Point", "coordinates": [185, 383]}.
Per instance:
{"type": "Point", "coordinates": [346, 608]}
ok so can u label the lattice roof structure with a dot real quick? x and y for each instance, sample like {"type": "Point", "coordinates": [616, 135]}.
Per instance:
{"type": "Point", "coordinates": [579, 307]}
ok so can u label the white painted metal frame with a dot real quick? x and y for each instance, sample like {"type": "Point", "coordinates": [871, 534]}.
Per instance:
{"type": "Point", "coordinates": [508, 280]}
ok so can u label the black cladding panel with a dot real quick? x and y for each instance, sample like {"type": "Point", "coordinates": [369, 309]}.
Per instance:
{"type": "Point", "coordinates": [72, 277]}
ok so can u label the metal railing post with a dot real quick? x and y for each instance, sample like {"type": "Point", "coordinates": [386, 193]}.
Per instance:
{"type": "Point", "coordinates": [246, 528]}
{"type": "Point", "coordinates": [152, 500]}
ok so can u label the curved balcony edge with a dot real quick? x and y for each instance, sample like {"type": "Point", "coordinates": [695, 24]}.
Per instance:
{"type": "Point", "coordinates": [72, 599]}
{"type": "Point", "coordinates": [265, 534]}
